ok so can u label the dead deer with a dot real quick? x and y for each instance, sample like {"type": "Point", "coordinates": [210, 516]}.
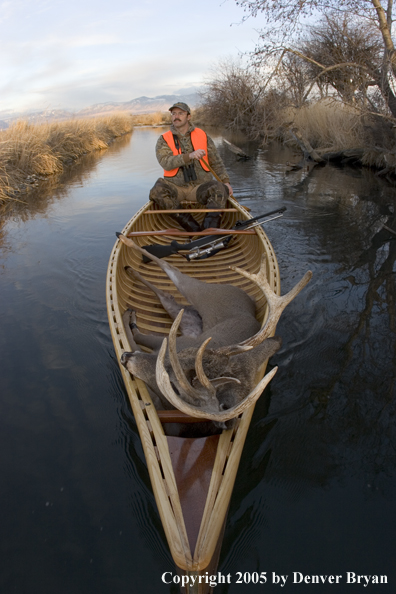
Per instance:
{"type": "Point", "coordinates": [216, 383]}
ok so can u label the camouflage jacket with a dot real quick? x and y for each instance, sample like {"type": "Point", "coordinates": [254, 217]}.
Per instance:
{"type": "Point", "coordinates": [169, 161]}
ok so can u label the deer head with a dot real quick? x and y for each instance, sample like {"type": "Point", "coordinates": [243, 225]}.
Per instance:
{"type": "Point", "coordinates": [210, 406]}
{"type": "Point", "coordinates": [217, 384]}
{"type": "Point", "coordinates": [204, 390]}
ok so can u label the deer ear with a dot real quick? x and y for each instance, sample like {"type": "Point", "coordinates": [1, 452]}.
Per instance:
{"type": "Point", "coordinates": [221, 381]}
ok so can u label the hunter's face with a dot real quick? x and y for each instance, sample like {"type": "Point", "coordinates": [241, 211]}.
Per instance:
{"type": "Point", "coordinates": [180, 118]}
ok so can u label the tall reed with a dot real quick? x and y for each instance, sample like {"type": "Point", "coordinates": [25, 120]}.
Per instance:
{"type": "Point", "coordinates": [33, 151]}
{"type": "Point", "coordinates": [328, 124]}
{"type": "Point", "coordinates": [158, 118]}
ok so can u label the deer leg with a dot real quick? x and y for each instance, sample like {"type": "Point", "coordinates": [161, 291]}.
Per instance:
{"type": "Point", "coordinates": [135, 337]}
{"type": "Point", "coordinates": [199, 293]}
{"type": "Point", "coordinates": [191, 324]}
{"type": "Point", "coordinates": [148, 340]}
{"type": "Point", "coordinates": [185, 284]}
{"type": "Point", "coordinates": [126, 319]}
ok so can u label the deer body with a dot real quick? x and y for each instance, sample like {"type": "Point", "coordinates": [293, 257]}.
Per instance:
{"type": "Point", "coordinates": [223, 312]}
{"type": "Point", "coordinates": [220, 382]}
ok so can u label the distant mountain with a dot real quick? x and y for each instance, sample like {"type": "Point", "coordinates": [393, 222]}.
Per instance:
{"type": "Point", "coordinates": [33, 117]}
{"type": "Point", "coordinates": [139, 105]}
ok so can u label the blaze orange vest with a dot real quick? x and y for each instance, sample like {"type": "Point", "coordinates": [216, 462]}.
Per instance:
{"type": "Point", "coordinates": [199, 140]}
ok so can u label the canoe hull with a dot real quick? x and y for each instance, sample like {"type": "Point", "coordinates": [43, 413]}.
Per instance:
{"type": "Point", "coordinates": [194, 536]}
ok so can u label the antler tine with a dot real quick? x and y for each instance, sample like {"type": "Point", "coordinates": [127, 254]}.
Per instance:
{"type": "Point", "coordinates": [165, 385]}
{"type": "Point", "coordinates": [174, 359]}
{"type": "Point", "coordinates": [200, 371]}
{"type": "Point", "coordinates": [276, 304]}
{"type": "Point", "coordinates": [233, 349]}
{"type": "Point", "coordinates": [164, 382]}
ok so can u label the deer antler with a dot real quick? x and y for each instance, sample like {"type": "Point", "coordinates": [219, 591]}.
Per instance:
{"type": "Point", "coordinates": [276, 304]}
{"type": "Point", "coordinates": [200, 370]}
{"type": "Point", "coordinates": [174, 359]}
{"type": "Point", "coordinates": [209, 393]}
{"type": "Point", "coordinates": [211, 412]}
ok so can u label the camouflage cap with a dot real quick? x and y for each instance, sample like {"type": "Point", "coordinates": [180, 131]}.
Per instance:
{"type": "Point", "coordinates": [181, 105]}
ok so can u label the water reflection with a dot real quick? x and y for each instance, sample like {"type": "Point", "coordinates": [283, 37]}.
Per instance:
{"type": "Point", "coordinates": [328, 421]}
{"type": "Point", "coordinates": [39, 199]}
{"type": "Point", "coordinates": [316, 483]}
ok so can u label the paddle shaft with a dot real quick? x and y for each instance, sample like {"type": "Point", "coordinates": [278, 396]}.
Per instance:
{"type": "Point", "coordinates": [209, 244]}
{"type": "Point", "coordinates": [213, 173]}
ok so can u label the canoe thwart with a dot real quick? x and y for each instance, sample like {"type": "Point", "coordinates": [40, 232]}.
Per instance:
{"type": "Point", "coordinates": [183, 210]}
{"type": "Point", "coordinates": [176, 416]}
{"type": "Point", "coordinates": [210, 231]}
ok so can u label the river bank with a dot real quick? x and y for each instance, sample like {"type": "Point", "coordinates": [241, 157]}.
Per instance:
{"type": "Point", "coordinates": [33, 152]}
{"type": "Point", "coordinates": [320, 130]}
{"type": "Point", "coordinates": [316, 484]}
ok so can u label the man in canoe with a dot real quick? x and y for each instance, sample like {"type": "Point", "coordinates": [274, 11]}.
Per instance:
{"type": "Point", "coordinates": [187, 154]}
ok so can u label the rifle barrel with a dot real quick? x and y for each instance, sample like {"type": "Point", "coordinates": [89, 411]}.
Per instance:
{"type": "Point", "coordinates": [207, 237]}
{"type": "Point", "coordinates": [239, 224]}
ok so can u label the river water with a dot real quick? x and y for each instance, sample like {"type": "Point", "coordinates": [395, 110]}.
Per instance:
{"type": "Point", "coordinates": [315, 493]}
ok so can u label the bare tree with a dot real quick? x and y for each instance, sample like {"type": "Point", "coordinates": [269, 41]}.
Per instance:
{"type": "Point", "coordinates": [297, 77]}
{"type": "Point", "coordinates": [236, 97]}
{"type": "Point", "coordinates": [231, 95]}
{"type": "Point", "coordinates": [354, 47]}
{"type": "Point", "coordinates": [286, 19]}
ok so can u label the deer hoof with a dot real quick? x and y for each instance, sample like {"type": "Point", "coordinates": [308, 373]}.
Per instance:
{"type": "Point", "coordinates": [129, 318]}
{"type": "Point", "coordinates": [125, 358]}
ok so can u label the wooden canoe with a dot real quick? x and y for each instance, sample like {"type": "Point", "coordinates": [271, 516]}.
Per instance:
{"type": "Point", "coordinates": [192, 478]}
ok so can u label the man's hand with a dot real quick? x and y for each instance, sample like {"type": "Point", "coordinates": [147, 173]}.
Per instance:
{"type": "Point", "coordinates": [197, 154]}
{"type": "Point", "coordinates": [229, 187]}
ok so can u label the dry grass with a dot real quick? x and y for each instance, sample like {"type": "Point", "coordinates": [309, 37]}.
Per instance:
{"type": "Point", "coordinates": [29, 152]}
{"type": "Point", "coordinates": [328, 125]}
{"type": "Point", "coordinates": [381, 159]}
{"type": "Point", "coordinates": [237, 99]}
{"type": "Point", "coordinates": [159, 118]}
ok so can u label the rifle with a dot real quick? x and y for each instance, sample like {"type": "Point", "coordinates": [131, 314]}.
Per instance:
{"type": "Point", "coordinates": [207, 246]}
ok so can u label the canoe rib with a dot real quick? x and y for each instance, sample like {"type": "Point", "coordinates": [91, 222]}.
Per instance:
{"type": "Point", "coordinates": [123, 292]}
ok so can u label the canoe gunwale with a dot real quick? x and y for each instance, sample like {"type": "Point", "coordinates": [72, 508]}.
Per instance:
{"type": "Point", "coordinates": [151, 431]}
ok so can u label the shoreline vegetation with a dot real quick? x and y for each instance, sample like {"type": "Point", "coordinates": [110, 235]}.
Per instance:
{"type": "Point", "coordinates": [334, 60]}
{"type": "Point", "coordinates": [322, 129]}
{"type": "Point", "coordinates": [30, 153]}
{"type": "Point", "coordinates": [34, 153]}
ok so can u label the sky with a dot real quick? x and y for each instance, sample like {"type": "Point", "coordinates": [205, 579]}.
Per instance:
{"type": "Point", "coordinates": [57, 54]}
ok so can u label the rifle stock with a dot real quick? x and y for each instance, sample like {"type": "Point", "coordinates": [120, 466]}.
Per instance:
{"type": "Point", "coordinates": [161, 251]}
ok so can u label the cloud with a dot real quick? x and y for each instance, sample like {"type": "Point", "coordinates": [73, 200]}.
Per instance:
{"type": "Point", "coordinates": [87, 51]}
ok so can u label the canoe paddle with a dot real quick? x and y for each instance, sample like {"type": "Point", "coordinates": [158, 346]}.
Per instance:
{"type": "Point", "coordinates": [204, 247]}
